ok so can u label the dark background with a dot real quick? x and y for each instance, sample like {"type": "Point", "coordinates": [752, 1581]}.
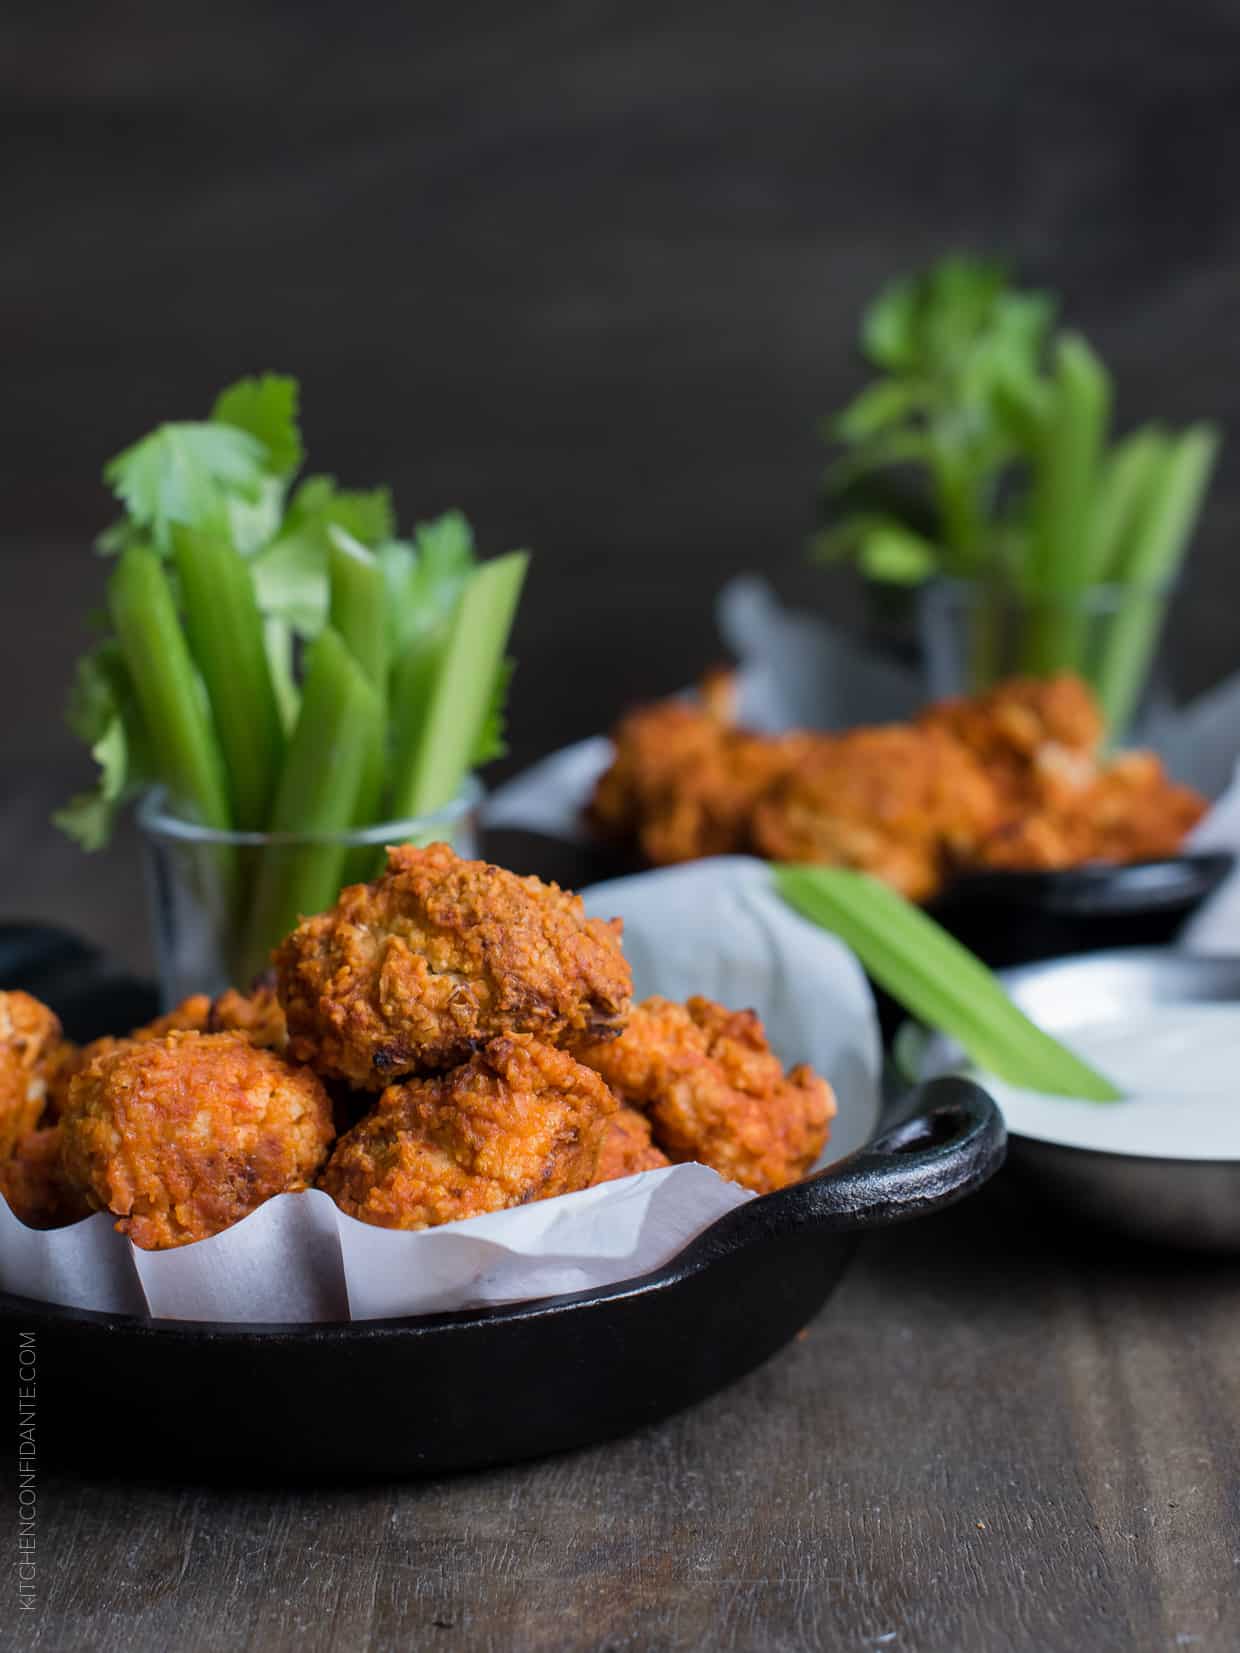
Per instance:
{"type": "Point", "coordinates": [589, 270]}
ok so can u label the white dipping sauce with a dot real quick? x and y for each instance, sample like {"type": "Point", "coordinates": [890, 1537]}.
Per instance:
{"type": "Point", "coordinates": [1179, 1067]}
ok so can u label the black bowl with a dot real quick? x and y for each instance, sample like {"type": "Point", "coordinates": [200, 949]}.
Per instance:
{"type": "Point", "coordinates": [1011, 918]}
{"type": "Point", "coordinates": [455, 1391]}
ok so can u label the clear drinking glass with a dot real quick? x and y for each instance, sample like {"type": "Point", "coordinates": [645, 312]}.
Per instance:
{"type": "Point", "coordinates": [220, 901]}
{"type": "Point", "coordinates": [975, 633]}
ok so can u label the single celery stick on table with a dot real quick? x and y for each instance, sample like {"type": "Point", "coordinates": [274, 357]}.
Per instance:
{"type": "Point", "coordinates": [318, 794]}
{"type": "Point", "coordinates": [226, 635]}
{"type": "Point", "coordinates": [358, 612]}
{"type": "Point", "coordinates": [939, 981]}
{"type": "Point", "coordinates": [447, 696]}
{"type": "Point", "coordinates": [171, 702]}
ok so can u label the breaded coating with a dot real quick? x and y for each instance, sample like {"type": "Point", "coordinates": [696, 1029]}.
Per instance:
{"type": "Point", "coordinates": [179, 1137]}
{"type": "Point", "coordinates": [901, 803]}
{"type": "Point", "coordinates": [715, 1092]}
{"type": "Point", "coordinates": [1022, 716]}
{"type": "Point", "coordinates": [411, 974]}
{"type": "Point", "coordinates": [258, 1015]}
{"type": "Point", "coordinates": [30, 1043]}
{"type": "Point", "coordinates": [628, 1147]}
{"type": "Point", "coordinates": [34, 1183]}
{"type": "Point", "coordinates": [1131, 811]}
{"type": "Point", "coordinates": [519, 1121]}
{"type": "Point", "coordinates": [190, 1016]}
{"type": "Point", "coordinates": [684, 780]}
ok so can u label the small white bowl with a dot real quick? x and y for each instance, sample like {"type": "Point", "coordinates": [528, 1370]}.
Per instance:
{"type": "Point", "coordinates": [1094, 1159]}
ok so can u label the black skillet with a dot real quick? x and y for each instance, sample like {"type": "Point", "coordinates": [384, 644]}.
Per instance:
{"type": "Point", "coordinates": [458, 1391]}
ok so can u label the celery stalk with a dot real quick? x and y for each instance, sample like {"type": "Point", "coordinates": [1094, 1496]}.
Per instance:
{"type": "Point", "coordinates": [1176, 492]}
{"type": "Point", "coordinates": [317, 794]}
{"type": "Point", "coordinates": [359, 613]}
{"type": "Point", "coordinates": [1062, 506]}
{"type": "Point", "coordinates": [938, 981]}
{"type": "Point", "coordinates": [455, 685]}
{"type": "Point", "coordinates": [169, 694]}
{"type": "Point", "coordinates": [226, 635]}
{"type": "Point", "coordinates": [1124, 489]}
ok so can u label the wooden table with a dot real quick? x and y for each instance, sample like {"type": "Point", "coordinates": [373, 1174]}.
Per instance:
{"type": "Point", "coordinates": [992, 1438]}
{"type": "Point", "coordinates": [997, 1435]}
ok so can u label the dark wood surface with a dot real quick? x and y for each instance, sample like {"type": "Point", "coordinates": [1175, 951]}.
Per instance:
{"type": "Point", "coordinates": [993, 1438]}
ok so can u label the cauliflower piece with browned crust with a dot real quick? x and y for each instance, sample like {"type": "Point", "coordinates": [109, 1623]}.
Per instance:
{"type": "Point", "coordinates": [30, 1045]}
{"type": "Point", "coordinates": [411, 974]}
{"type": "Point", "coordinates": [715, 1091]}
{"type": "Point", "coordinates": [628, 1147]}
{"type": "Point", "coordinates": [900, 803]}
{"type": "Point", "coordinates": [182, 1136]}
{"type": "Point", "coordinates": [34, 1183]}
{"type": "Point", "coordinates": [519, 1121]}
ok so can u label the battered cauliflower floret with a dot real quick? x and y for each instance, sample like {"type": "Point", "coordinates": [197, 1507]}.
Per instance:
{"type": "Point", "coordinates": [179, 1137]}
{"type": "Point", "coordinates": [1131, 811]}
{"type": "Point", "coordinates": [258, 1015]}
{"type": "Point", "coordinates": [190, 1016]}
{"type": "Point", "coordinates": [901, 803]}
{"type": "Point", "coordinates": [519, 1121]}
{"type": "Point", "coordinates": [34, 1183]}
{"type": "Point", "coordinates": [628, 1147]}
{"type": "Point", "coordinates": [30, 1045]}
{"type": "Point", "coordinates": [411, 974]}
{"type": "Point", "coordinates": [715, 1092]}
{"type": "Point", "coordinates": [684, 780]}
{"type": "Point", "coordinates": [1038, 738]}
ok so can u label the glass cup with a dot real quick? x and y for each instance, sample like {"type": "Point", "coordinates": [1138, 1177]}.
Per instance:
{"type": "Point", "coordinates": [974, 633]}
{"type": "Point", "coordinates": [221, 901]}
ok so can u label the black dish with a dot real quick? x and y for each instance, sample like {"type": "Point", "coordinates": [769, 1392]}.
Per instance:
{"type": "Point", "coordinates": [458, 1391]}
{"type": "Point", "coordinates": [1009, 918]}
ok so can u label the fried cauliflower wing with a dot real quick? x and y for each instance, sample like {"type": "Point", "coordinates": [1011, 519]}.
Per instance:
{"type": "Point", "coordinates": [519, 1121]}
{"type": "Point", "coordinates": [684, 779]}
{"type": "Point", "coordinates": [715, 1092]}
{"type": "Point", "coordinates": [258, 1015]}
{"type": "Point", "coordinates": [1038, 738]}
{"type": "Point", "coordinates": [628, 1147]}
{"type": "Point", "coordinates": [30, 1048]}
{"type": "Point", "coordinates": [1131, 811]}
{"type": "Point", "coordinates": [190, 1016]}
{"type": "Point", "coordinates": [412, 973]}
{"type": "Point", "coordinates": [34, 1183]}
{"type": "Point", "coordinates": [181, 1136]}
{"type": "Point", "coordinates": [901, 803]}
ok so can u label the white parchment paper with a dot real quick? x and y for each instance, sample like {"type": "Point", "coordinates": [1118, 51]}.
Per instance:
{"type": "Point", "coordinates": [714, 927]}
{"type": "Point", "coordinates": [798, 671]}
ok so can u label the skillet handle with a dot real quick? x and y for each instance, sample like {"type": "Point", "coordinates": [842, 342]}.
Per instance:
{"type": "Point", "coordinates": [952, 1141]}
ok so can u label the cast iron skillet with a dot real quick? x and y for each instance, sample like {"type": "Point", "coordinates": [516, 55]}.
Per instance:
{"type": "Point", "coordinates": [457, 1391]}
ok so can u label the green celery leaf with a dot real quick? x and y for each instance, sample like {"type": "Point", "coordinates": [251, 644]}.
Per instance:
{"type": "Point", "coordinates": [267, 408]}
{"type": "Point", "coordinates": [183, 473]}
{"type": "Point", "coordinates": [889, 324]}
{"type": "Point", "coordinates": [894, 555]}
{"type": "Point", "coordinates": [880, 406]}
{"type": "Point", "coordinates": [103, 711]}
